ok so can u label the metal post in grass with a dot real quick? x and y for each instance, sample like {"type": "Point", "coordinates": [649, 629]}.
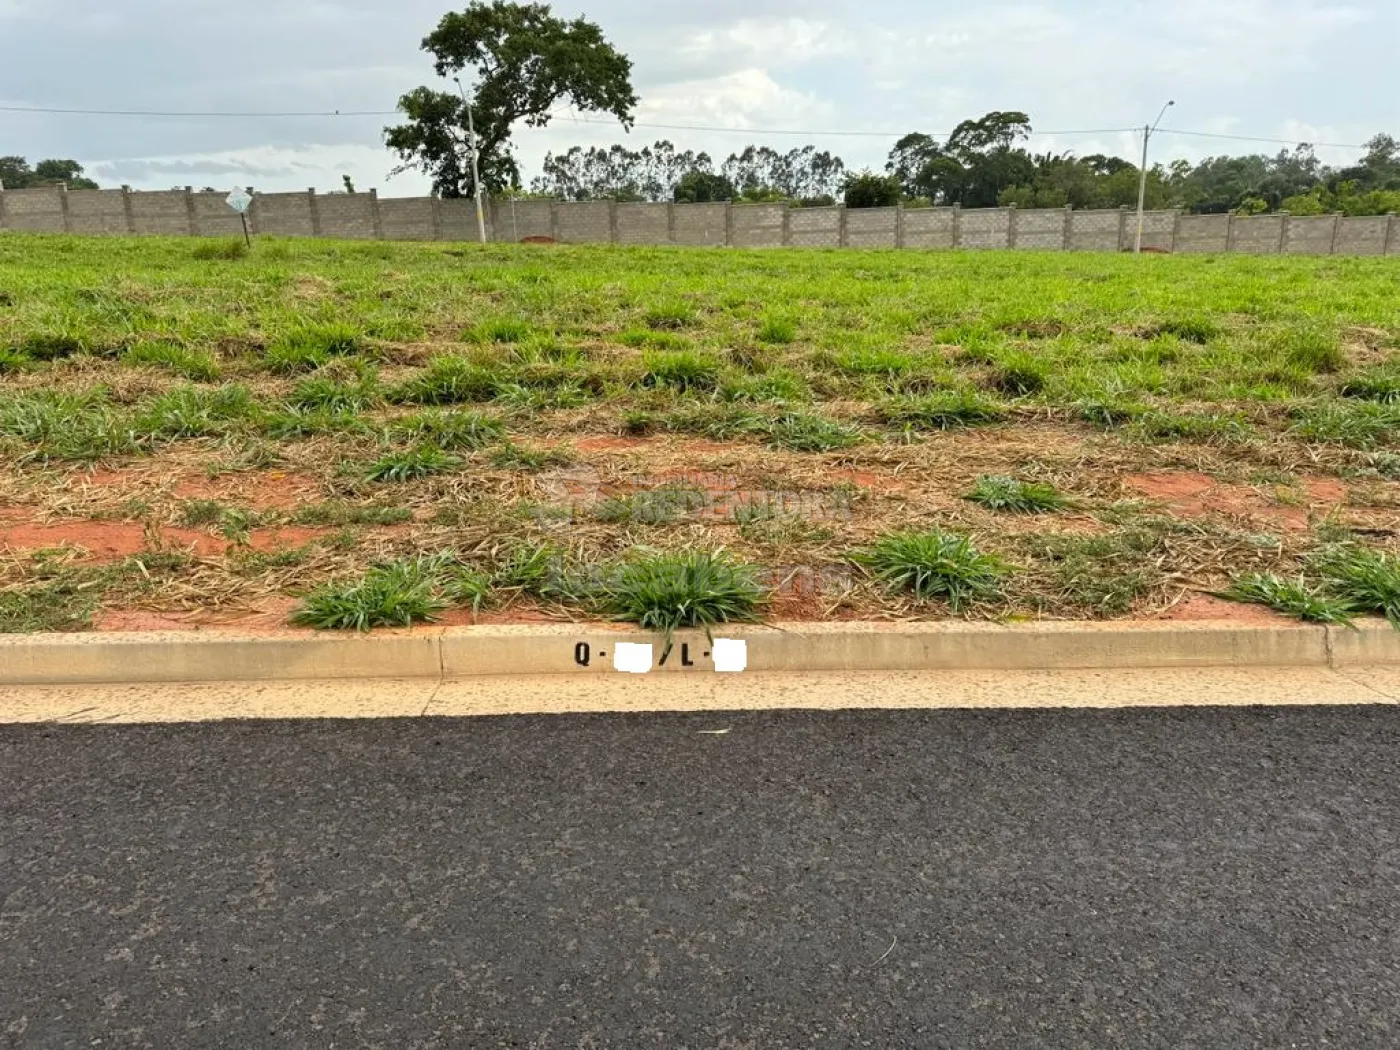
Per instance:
{"type": "Point", "coordinates": [1147, 132]}
{"type": "Point", "coordinates": [240, 201]}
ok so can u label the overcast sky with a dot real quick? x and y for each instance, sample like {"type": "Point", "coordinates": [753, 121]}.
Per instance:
{"type": "Point", "coordinates": [1316, 70]}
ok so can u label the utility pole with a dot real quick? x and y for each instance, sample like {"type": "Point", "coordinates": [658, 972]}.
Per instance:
{"type": "Point", "coordinates": [1147, 132]}
{"type": "Point", "coordinates": [476, 171]}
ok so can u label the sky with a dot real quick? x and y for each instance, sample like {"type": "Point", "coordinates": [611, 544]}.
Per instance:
{"type": "Point", "coordinates": [1296, 70]}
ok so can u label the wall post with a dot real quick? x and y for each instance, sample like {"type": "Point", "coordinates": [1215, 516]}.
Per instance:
{"type": "Point", "coordinates": [957, 225]}
{"type": "Point", "coordinates": [787, 224]}
{"type": "Point", "coordinates": [899, 224]}
{"type": "Point", "coordinates": [1336, 230]}
{"type": "Point", "coordinates": [437, 216]}
{"type": "Point", "coordinates": [252, 212]}
{"type": "Point", "coordinates": [1285, 228]}
{"type": "Point", "coordinates": [553, 220]}
{"type": "Point", "coordinates": [613, 233]}
{"type": "Point", "coordinates": [190, 214]}
{"type": "Point", "coordinates": [670, 222]}
{"type": "Point", "coordinates": [843, 237]}
{"type": "Point", "coordinates": [2, 206]}
{"type": "Point", "coordinates": [1389, 233]}
{"type": "Point", "coordinates": [1067, 242]}
{"type": "Point", "coordinates": [1230, 234]}
{"type": "Point", "coordinates": [729, 224]}
{"type": "Point", "coordinates": [63, 206]}
{"type": "Point", "coordinates": [315, 210]}
{"type": "Point", "coordinates": [127, 210]}
{"type": "Point", "coordinates": [1011, 226]}
{"type": "Point", "coordinates": [1176, 228]}
{"type": "Point", "coordinates": [1122, 226]}
{"type": "Point", "coordinates": [374, 217]}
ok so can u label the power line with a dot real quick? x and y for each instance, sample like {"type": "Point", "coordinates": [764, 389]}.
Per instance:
{"type": "Point", "coordinates": [714, 128]}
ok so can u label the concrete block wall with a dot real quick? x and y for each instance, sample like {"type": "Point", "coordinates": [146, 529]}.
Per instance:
{"type": "Point", "coordinates": [872, 227]}
{"type": "Point", "coordinates": [929, 227]}
{"type": "Point", "coordinates": [644, 223]}
{"type": "Point", "coordinates": [96, 211]}
{"type": "Point", "coordinates": [700, 224]}
{"type": "Point", "coordinates": [814, 228]}
{"type": "Point", "coordinates": [283, 214]}
{"type": "Point", "coordinates": [33, 211]}
{"type": "Point", "coordinates": [1202, 233]}
{"type": "Point", "coordinates": [756, 225]}
{"type": "Point", "coordinates": [1095, 231]}
{"type": "Point", "coordinates": [366, 216]}
{"type": "Point", "coordinates": [1363, 235]}
{"type": "Point", "coordinates": [346, 215]}
{"type": "Point", "coordinates": [984, 228]}
{"type": "Point", "coordinates": [1040, 228]}
{"type": "Point", "coordinates": [163, 213]}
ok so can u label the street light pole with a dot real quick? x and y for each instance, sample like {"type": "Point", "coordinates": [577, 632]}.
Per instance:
{"type": "Point", "coordinates": [476, 172]}
{"type": "Point", "coordinates": [1147, 132]}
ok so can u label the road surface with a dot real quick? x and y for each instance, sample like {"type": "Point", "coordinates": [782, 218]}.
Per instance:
{"type": "Point", "coordinates": [1153, 878]}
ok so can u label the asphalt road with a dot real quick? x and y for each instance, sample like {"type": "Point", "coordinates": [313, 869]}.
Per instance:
{"type": "Point", "coordinates": [1190, 878]}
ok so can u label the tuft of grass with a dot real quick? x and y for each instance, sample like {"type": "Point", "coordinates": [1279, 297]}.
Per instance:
{"type": "Point", "coordinates": [465, 586]}
{"type": "Point", "coordinates": [531, 568]}
{"type": "Point", "coordinates": [934, 564]}
{"type": "Point", "coordinates": [1312, 350]}
{"type": "Point", "coordinates": [1204, 427]}
{"type": "Point", "coordinates": [342, 514]}
{"type": "Point", "coordinates": [397, 594]}
{"type": "Point", "coordinates": [511, 456]}
{"type": "Point", "coordinates": [411, 464]}
{"type": "Point", "coordinates": [777, 387]}
{"type": "Point", "coordinates": [331, 395]}
{"type": "Point", "coordinates": [53, 605]}
{"type": "Point", "coordinates": [500, 330]}
{"type": "Point", "coordinates": [1377, 384]}
{"type": "Point", "coordinates": [187, 411]}
{"type": "Point", "coordinates": [230, 250]}
{"type": "Point", "coordinates": [801, 432]}
{"type": "Point", "coordinates": [670, 317]}
{"type": "Point", "coordinates": [449, 380]}
{"type": "Point", "coordinates": [308, 347]}
{"type": "Point", "coordinates": [998, 492]}
{"type": "Point", "coordinates": [1019, 375]}
{"type": "Point", "coordinates": [777, 330]}
{"type": "Point", "coordinates": [667, 592]}
{"type": "Point", "coordinates": [945, 410]}
{"type": "Point", "coordinates": [81, 427]}
{"type": "Point", "coordinates": [1198, 330]}
{"type": "Point", "coordinates": [1364, 425]}
{"type": "Point", "coordinates": [658, 506]}
{"type": "Point", "coordinates": [682, 370]}
{"type": "Point", "coordinates": [12, 361]}
{"type": "Point", "coordinates": [1292, 597]}
{"type": "Point", "coordinates": [1110, 413]}
{"type": "Point", "coordinates": [1365, 580]}
{"type": "Point", "coordinates": [195, 365]}
{"type": "Point", "coordinates": [451, 430]}
{"type": "Point", "coordinates": [55, 345]}
{"type": "Point", "coordinates": [198, 513]}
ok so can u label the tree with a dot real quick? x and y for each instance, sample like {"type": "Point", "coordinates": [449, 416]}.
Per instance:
{"type": "Point", "coordinates": [618, 173]}
{"type": "Point", "coordinates": [348, 183]}
{"type": "Point", "coordinates": [525, 62]}
{"type": "Point", "coordinates": [760, 173]}
{"type": "Point", "coordinates": [699, 187]}
{"type": "Point", "coordinates": [16, 174]}
{"type": "Point", "coordinates": [977, 163]}
{"type": "Point", "coordinates": [867, 189]}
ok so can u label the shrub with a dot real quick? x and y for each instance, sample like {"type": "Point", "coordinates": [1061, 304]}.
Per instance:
{"type": "Point", "coordinates": [867, 189]}
{"type": "Point", "coordinates": [942, 411]}
{"type": "Point", "coordinates": [414, 463]}
{"type": "Point", "coordinates": [808, 433]}
{"type": "Point", "coordinates": [934, 564]}
{"type": "Point", "coordinates": [192, 412]}
{"type": "Point", "coordinates": [449, 380]}
{"type": "Point", "coordinates": [448, 430]}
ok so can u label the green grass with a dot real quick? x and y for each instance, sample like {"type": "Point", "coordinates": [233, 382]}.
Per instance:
{"type": "Point", "coordinates": [997, 492]}
{"type": "Point", "coordinates": [412, 463]}
{"type": "Point", "coordinates": [1365, 580]}
{"type": "Point", "coordinates": [397, 594]}
{"type": "Point", "coordinates": [1292, 597]}
{"type": "Point", "coordinates": [935, 564]}
{"type": "Point", "coordinates": [942, 411]}
{"type": "Point", "coordinates": [51, 605]}
{"type": "Point", "coordinates": [452, 430]}
{"type": "Point", "coordinates": [667, 592]}
{"type": "Point", "coordinates": [342, 514]}
{"type": "Point", "coordinates": [197, 365]}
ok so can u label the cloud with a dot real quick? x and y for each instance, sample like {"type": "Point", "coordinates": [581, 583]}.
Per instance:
{"type": "Point", "coordinates": [1281, 68]}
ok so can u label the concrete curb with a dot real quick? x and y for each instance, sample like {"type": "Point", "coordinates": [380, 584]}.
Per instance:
{"type": "Point", "coordinates": [591, 649]}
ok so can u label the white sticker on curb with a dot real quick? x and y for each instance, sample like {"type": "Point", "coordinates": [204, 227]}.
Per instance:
{"type": "Point", "coordinates": [632, 657]}
{"type": "Point", "coordinates": [731, 654]}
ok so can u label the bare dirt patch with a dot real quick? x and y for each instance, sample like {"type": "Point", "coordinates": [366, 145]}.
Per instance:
{"type": "Point", "coordinates": [108, 541]}
{"type": "Point", "coordinates": [1199, 607]}
{"type": "Point", "coordinates": [1189, 494]}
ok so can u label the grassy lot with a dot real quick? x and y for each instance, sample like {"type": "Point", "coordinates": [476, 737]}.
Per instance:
{"type": "Point", "coordinates": [351, 434]}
